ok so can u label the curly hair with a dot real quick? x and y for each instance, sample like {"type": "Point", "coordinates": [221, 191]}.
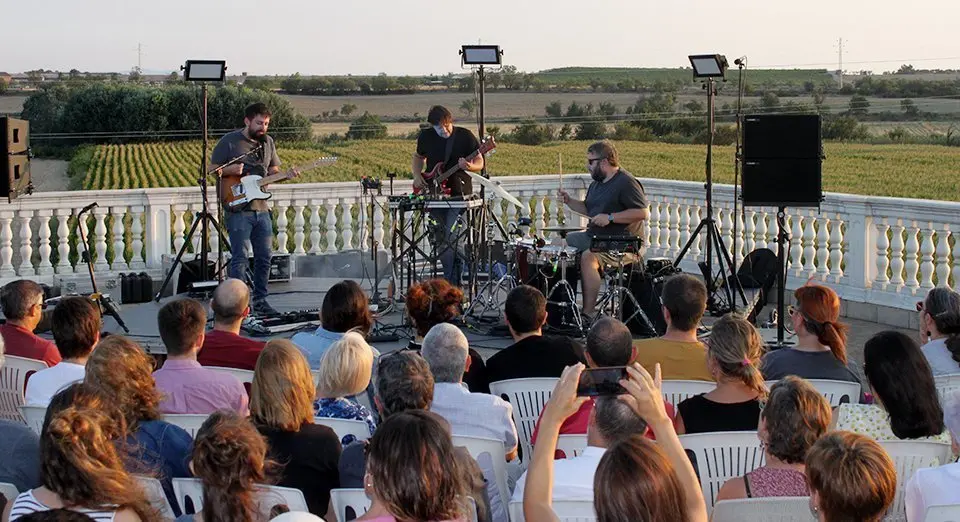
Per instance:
{"type": "Point", "coordinates": [796, 415]}
{"type": "Point", "coordinates": [122, 371]}
{"type": "Point", "coordinates": [432, 302]}
{"type": "Point", "coordinates": [853, 477]}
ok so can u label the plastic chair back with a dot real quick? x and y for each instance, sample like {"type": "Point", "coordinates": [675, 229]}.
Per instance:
{"type": "Point", "coordinates": [571, 444]}
{"type": "Point", "coordinates": [720, 456]}
{"type": "Point", "coordinates": [33, 416]}
{"type": "Point", "coordinates": [13, 382]}
{"type": "Point", "coordinates": [677, 391]}
{"type": "Point", "coordinates": [768, 509]}
{"type": "Point", "coordinates": [528, 397]}
{"type": "Point", "coordinates": [909, 456]}
{"type": "Point", "coordinates": [566, 511]}
{"type": "Point", "coordinates": [158, 499]}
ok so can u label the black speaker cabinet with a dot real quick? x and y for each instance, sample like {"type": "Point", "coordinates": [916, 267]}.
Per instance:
{"type": "Point", "coordinates": [14, 157]}
{"type": "Point", "coordinates": [781, 136]}
{"type": "Point", "coordinates": [782, 183]}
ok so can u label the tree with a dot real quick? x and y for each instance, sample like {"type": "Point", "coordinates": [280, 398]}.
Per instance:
{"type": "Point", "coordinates": [468, 106]}
{"type": "Point", "coordinates": [347, 109]}
{"type": "Point", "coordinates": [529, 132]}
{"type": "Point", "coordinates": [845, 128]}
{"type": "Point", "coordinates": [512, 79]}
{"type": "Point", "coordinates": [909, 108]}
{"type": "Point", "coordinates": [292, 84]}
{"type": "Point", "coordinates": [135, 75]}
{"type": "Point", "coordinates": [770, 102]}
{"type": "Point", "coordinates": [554, 110]}
{"type": "Point", "coordinates": [906, 69]}
{"type": "Point", "coordinates": [819, 97]}
{"type": "Point", "coordinates": [367, 127]}
{"type": "Point", "coordinates": [3, 86]}
{"type": "Point", "coordinates": [859, 105]}
{"type": "Point", "coordinates": [694, 106]}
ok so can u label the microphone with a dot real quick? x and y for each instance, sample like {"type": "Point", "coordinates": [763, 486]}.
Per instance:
{"type": "Point", "coordinates": [741, 61]}
{"type": "Point", "coordinates": [88, 207]}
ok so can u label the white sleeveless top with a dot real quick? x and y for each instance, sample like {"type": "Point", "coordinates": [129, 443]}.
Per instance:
{"type": "Point", "coordinates": [26, 503]}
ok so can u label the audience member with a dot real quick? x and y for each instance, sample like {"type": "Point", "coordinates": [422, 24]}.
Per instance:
{"type": "Point", "coordinates": [20, 453]}
{"type": "Point", "coordinates": [56, 515]}
{"type": "Point", "coordinates": [636, 479]}
{"type": "Point", "coordinates": [413, 472]}
{"type": "Point", "coordinates": [230, 458]}
{"type": "Point", "coordinates": [612, 420]}
{"type": "Point", "coordinates": [81, 468]}
{"type": "Point", "coordinates": [940, 330]}
{"type": "Point", "coordinates": [821, 351]}
{"type": "Point", "coordinates": [22, 303]}
{"type": "Point", "coordinates": [469, 414]}
{"type": "Point", "coordinates": [851, 477]}
{"type": "Point", "coordinates": [937, 486]}
{"type": "Point", "coordinates": [404, 382]}
{"type": "Point", "coordinates": [907, 405]}
{"type": "Point", "coordinates": [733, 352]}
{"type": "Point", "coordinates": [186, 386]}
{"type": "Point", "coordinates": [224, 346]}
{"type": "Point", "coordinates": [344, 372]}
{"type": "Point", "coordinates": [121, 370]}
{"type": "Point", "coordinates": [680, 353]}
{"type": "Point", "coordinates": [436, 301]}
{"type": "Point", "coordinates": [76, 329]}
{"type": "Point", "coordinates": [795, 416]}
{"type": "Point", "coordinates": [532, 354]}
{"type": "Point", "coordinates": [281, 407]}
{"type": "Point", "coordinates": [345, 308]}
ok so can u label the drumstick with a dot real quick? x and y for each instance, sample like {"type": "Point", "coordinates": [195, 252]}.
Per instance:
{"type": "Point", "coordinates": [560, 160]}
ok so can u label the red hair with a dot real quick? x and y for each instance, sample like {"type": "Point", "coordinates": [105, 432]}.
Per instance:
{"type": "Point", "coordinates": [432, 302]}
{"type": "Point", "coordinates": [820, 308]}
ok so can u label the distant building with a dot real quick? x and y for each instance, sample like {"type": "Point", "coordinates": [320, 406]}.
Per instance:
{"type": "Point", "coordinates": [6, 78]}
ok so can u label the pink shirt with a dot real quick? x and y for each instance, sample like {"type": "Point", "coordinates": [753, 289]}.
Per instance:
{"type": "Point", "coordinates": [188, 387]}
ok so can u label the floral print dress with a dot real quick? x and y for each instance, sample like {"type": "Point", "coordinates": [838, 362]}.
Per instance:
{"type": "Point", "coordinates": [342, 408]}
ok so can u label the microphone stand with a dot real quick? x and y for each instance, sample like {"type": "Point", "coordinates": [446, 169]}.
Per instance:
{"type": "Point", "coordinates": [741, 64]}
{"type": "Point", "coordinates": [104, 303]}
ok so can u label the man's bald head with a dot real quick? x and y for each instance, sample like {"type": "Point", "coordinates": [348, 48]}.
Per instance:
{"type": "Point", "coordinates": [230, 301]}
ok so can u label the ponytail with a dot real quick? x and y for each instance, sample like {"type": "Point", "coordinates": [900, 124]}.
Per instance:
{"type": "Point", "coordinates": [834, 335]}
{"type": "Point", "coordinates": [736, 347]}
{"type": "Point", "coordinates": [949, 324]}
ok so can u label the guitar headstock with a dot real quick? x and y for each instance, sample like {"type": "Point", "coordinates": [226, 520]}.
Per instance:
{"type": "Point", "coordinates": [488, 144]}
{"type": "Point", "coordinates": [323, 161]}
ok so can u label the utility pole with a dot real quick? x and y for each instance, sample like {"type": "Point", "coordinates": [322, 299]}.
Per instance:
{"type": "Point", "coordinates": [139, 57]}
{"type": "Point", "coordinates": [840, 62]}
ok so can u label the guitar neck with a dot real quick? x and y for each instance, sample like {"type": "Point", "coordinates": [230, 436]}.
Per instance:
{"type": "Point", "coordinates": [273, 178]}
{"type": "Point", "coordinates": [453, 170]}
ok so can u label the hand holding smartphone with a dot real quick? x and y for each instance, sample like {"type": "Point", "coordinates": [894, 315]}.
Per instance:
{"type": "Point", "coordinates": [596, 382]}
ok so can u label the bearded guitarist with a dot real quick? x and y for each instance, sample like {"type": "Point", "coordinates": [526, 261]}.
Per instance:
{"type": "Point", "coordinates": [250, 221]}
{"type": "Point", "coordinates": [449, 145]}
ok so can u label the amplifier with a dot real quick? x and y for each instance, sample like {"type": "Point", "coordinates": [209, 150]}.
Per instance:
{"type": "Point", "coordinates": [782, 182]}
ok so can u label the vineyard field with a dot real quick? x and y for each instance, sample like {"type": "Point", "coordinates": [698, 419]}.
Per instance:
{"type": "Point", "coordinates": [914, 171]}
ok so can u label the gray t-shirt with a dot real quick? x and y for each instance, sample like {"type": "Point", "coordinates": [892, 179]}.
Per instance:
{"type": "Point", "coordinates": [236, 143]}
{"type": "Point", "coordinates": [940, 359]}
{"type": "Point", "coordinates": [19, 456]}
{"type": "Point", "coordinates": [778, 364]}
{"type": "Point", "coordinates": [621, 192]}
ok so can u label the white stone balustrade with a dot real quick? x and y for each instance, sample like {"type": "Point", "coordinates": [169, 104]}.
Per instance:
{"type": "Point", "coordinates": [885, 251]}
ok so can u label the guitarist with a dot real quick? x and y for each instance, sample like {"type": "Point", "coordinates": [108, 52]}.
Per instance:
{"type": "Point", "coordinates": [251, 221]}
{"type": "Point", "coordinates": [445, 144]}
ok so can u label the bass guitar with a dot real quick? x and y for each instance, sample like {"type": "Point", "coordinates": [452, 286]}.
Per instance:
{"type": "Point", "coordinates": [436, 179]}
{"type": "Point", "coordinates": [235, 192]}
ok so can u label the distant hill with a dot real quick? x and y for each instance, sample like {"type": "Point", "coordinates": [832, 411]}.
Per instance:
{"type": "Point", "coordinates": [616, 74]}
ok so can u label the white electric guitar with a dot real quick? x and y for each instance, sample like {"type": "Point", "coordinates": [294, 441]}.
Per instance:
{"type": "Point", "coordinates": [240, 191]}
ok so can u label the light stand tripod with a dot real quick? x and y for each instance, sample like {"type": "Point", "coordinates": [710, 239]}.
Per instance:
{"type": "Point", "coordinates": [104, 303]}
{"type": "Point", "coordinates": [489, 296]}
{"type": "Point", "coordinates": [377, 334]}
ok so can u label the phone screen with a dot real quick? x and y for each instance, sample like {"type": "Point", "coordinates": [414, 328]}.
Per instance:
{"type": "Point", "coordinates": [602, 381]}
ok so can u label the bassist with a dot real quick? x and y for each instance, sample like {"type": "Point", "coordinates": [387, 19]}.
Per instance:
{"type": "Point", "coordinates": [449, 145]}
{"type": "Point", "coordinates": [251, 221]}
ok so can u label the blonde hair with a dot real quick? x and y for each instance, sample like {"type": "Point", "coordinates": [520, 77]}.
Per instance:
{"type": "Point", "coordinates": [735, 346]}
{"type": "Point", "coordinates": [346, 367]}
{"type": "Point", "coordinates": [282, 392]}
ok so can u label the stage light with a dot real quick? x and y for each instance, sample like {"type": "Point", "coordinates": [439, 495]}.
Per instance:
{"type": "Point", "coordinates": [204, 70]}
{"type": "Point", "coordinates": [708, 65]}
{"type": "Point", "coordinates": [480, 54]}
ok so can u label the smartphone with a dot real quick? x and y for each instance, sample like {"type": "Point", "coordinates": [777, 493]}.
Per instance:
{"type": "Point", "coordinates": [602, 381]}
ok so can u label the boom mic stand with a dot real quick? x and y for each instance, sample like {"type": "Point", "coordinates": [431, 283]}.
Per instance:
{"type": "Point", "coordinates": [378, 334]}
{"type": "Point", "coordinates": [104, 303]}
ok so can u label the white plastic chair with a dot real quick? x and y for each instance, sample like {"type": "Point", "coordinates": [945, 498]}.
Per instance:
{"type": "Point", "coordinates": [33, 416]}
{"type": "Point", "coordinates": [190, 422]}
{"type": "Point", "coordinates": [344, 427]}
{"type": "Point", "coordinates": [909, 456]}
{"type": "Point", "coordinates": [9, 491]}
{"type": "Point", "coordinates": [156, 496]}
{"type": "Point", "coordinates": [677, 391]}
{"type": "Point", "coordinates": [720, 456]}
{"type": "Point", "coordinates": [946, 384]}
{"type": "Point", "coordinates": [836, 392]}
{"type": "Point", "coordinates": [572, 444]}
{"type": "Point", "coordinates": [768, 509]}
{"type": "Point", "coordinates": [245, 376]}
{"type": "Point", "coordinates": [527, 397]}
{"type": "Point", "coordinates": [316, 378]}
{"type": "Point", "coordinates": [189, 492]}
{"type": "Point", "coordinates": [566, 511]}
{"type": "Point", "coordinates": [948, 513]}
{"type": "Point", "coordinates": [482, 449]}
{"type": "Point", "coordinates": [354, 498]}
{"type": "Point", "coordinates": [13, 382]}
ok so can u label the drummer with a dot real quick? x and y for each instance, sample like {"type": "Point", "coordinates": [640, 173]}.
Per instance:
{"type": "Point", "coordinates": [615, 204]}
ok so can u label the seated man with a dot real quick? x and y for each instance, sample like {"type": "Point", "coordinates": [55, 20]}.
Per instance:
{"type": "Point", "coordinates": [223, 346]}
{"type": "Point", "coordinates": [22, 303]}
{"type": "Point", "coordinates": [76, 328]}
{"type": "Point", "coordinates": [469, 414]}
{"type": "Point", "coordinates": [680, 354]}
{"type": "Point", "coordinates": [532, 354]}
{"type": "Point", "coordinates": [611, 420]}
{"type": "Point", "coordinates": [186, 386]}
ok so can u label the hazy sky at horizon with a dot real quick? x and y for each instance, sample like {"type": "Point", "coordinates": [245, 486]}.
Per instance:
{"type": "Point", "coordinates": [423, 36]}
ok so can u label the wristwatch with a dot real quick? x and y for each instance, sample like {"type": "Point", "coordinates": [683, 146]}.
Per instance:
{"type": "Point", "coordinates": [610, 217]}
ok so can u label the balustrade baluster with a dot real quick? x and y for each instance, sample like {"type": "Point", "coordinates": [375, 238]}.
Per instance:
{"type": "Point", "coordinates": [282, 223]}
{"type": "Point", "coordinates": [654, 230]}
{"type": "Point", "coordinates": [119, 262]}
{"type": "Point", "coordinates": [684, 223]}
{"type": "Point", "coordinates": [100, 239]}
{"type": "Point", "coordinates": [943, 257]}
{"type": "Point", "coordinates": [43, 218]}
{"type": "Point", "coordinates": [378, 231]}
{"type": "Point", "coordinates": [6, 244]}
{"type": "Point", "coordinates": [927, 250]}
{"type": "Point", "coordinates": [346, 224]}
{"type": "Point", "coordinates": [63, 240]}
{"type": "Point", "coordinates": [749, 231]}
{"type": "Point", "coordinates": [179, 227]}
{"type": "Point", "coordinates": [136, 238]}
{"type": "Point", "coordinates": [697, 246]}
{"type": "Point", "coordinates": [836, 248]}
{"type": "Point", "coordinates": [896, 253]}
{"type": "Point", "coordinates": [298, 224]}
{"type": "Point", "coordinates": [911, 264]}
{"type": "Point", "coordinates": [796, 243]}
{"type": "Point", "coordinates": [809, 249]}
{"type": "Point", "coordinates": [823, 249]}
{"type": "Point", "coordinates": [883, 259]}
{"type": "Point", "coordinates": [315, 236]}
{"type": "Point", "coordinates": [26, 244]}
{"type": "Point", "coordinates": [331, 232]}
{"type": "Point", "coordinates": [726, 227]}
{"type": "Point", "coordinates": [674, 225]}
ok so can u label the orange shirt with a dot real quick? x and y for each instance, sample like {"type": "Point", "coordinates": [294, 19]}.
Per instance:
{"type": "Point", "coordinates": [678, 360]}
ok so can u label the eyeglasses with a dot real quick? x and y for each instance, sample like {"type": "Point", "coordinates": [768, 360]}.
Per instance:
{"type": "Point", "coordinates": [791, 309]}
{"type": "Point", "coordinates": [919, 306]}
{"type": "Point", "coordinates": [590, 161]}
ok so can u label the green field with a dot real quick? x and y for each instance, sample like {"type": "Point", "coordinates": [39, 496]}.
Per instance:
{"type": "Point", "coordinates": [914, 171]}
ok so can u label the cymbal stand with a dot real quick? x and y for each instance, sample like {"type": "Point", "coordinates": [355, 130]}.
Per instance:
{"type": "Point", "coordinates": [568, 293]}
{"type": "Point", "coordinates": [493, 294]}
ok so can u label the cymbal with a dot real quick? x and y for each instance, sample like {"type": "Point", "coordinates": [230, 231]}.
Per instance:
{"type": "Point", "coordinates": [494, 186]}
{"type": "Point", "coordinates": [564, 228]}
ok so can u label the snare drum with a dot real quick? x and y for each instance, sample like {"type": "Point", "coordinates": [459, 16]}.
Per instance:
{"type": "Point", "coordinates": [549, 260]}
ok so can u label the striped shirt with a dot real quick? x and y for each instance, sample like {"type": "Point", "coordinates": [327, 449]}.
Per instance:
{"type": "Point", "coordinates": [26, 504]}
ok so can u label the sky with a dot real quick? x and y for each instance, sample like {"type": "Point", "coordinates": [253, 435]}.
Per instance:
{"type": "Point", "coordinates": [423, 36]}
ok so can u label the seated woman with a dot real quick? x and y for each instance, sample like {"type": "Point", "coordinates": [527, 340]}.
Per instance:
{"type": "Point", "coordinates": [851, 477]}
{"type": "Point", "coordinates": [120, 369]}
{"type": "Point", "coordinates": [821, 350]}
{"type": "Point", "coordinates": [907, 405]}
{"type": "Point", "coordinates": [344, 372]}
{"type": "Point", "coordinates": [413, 471]}
{"type": "Point", "coordinates": [937, 486]}
{"type": "Point", "coordinates": [345, 308]}
{"type": "Point", "coordinates": [80, 465]}
{"type": "Point", "coordinates": [795, 416]}
{"type": "Point", "coordinates": [229, 457]}
{"type": "Point", "coordinates": [940, 330]}
{"type": "Point", "coordinates": [281, 407]}
{"type": "Point", "coordinates": [733, 351]}
{"type": "Point", "coordinates": [436, 301]}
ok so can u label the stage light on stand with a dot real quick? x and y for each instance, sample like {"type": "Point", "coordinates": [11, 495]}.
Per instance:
{"type": "Point", "coordinates": [204, 70]}
{"type": "Point", "coordinates": [709, 65]}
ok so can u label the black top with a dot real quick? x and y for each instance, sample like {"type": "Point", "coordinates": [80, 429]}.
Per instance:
{"type": "Point", "coordinates": [431, 146]}
{"type": "Point", "coordinates": [701, 415]}
{"type": "Point", "coordinates": [535, 356]}
{"type": "Point", "coordinates": [309, 458]}
{"type": "Point", "coordinates": [475, 378]}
